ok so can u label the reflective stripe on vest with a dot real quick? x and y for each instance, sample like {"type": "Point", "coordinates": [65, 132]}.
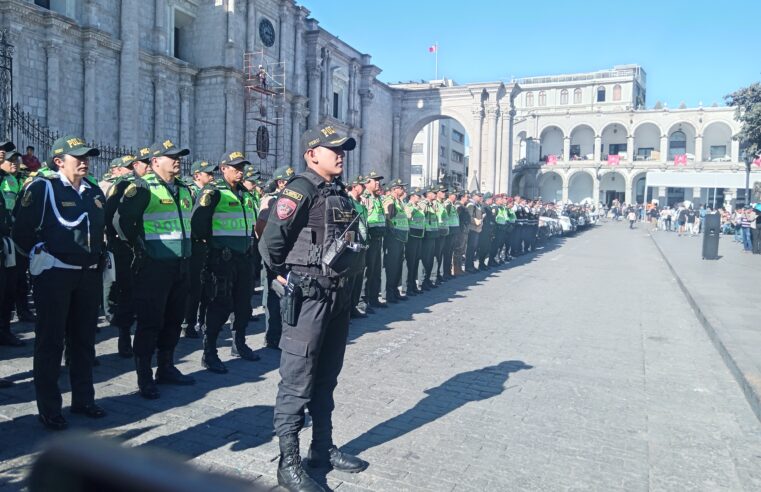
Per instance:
{"type": "Point", "coordinates": [166, 223]}
{"type": "Point", "coordinates": [443, 216]}
{"type": "Point", "coordinates": [232, 218]}
{"type": "Point", "coordinates": [501, 216]}
{"type": "Point", "coordinates": [416, 217]}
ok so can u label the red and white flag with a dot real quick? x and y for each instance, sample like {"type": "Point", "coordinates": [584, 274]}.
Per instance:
{"type": "Point", "coordinates": [757, 161]}
{"type": "Point", "coordinates": [680, 160]}
{"type": "Point", "coordinates": [433, 48]}
{"type": "Point", "coordinates": [614, 159]}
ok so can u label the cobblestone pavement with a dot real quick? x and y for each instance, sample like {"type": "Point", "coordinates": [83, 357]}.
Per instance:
{"type": "Point", "coordinates": [580, 367]}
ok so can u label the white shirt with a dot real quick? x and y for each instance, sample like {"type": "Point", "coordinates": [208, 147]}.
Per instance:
{"type": "Point", "coordinates": [83, 184]}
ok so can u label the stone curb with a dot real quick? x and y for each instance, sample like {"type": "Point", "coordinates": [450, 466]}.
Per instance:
{"type": "Point", "coordinates": [743, 370]}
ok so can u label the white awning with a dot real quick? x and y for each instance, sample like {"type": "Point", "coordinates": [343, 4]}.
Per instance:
{"type": "Point", "coordinates": [685, 179]}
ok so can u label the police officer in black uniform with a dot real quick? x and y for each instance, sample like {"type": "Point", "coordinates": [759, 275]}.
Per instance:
{"type": "Point", "coordinates": [309, 242]}
{"type": "Point", "coordinates": [60, 225]}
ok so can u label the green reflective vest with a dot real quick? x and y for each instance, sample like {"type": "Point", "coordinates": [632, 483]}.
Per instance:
{"type": "Point", "coordinates": [454, 217]}
{"type": "Point", "coordinates": [443, 216]}
{"type": "Point", "coordinates": [431, 220]}
{"type": "Point", "coordinates": [10, 189]}
{"type": "Point", "coordinates": [375, 215]}
{"type": "Point", "coordinates": [362, 212]}
{"type": "Point", "coordinates": [166, 222]}
{"type": "Point", "coordinates": [511, 215]}
{"type": "Point", "coordinates": [233, 219]}
{"type": "Point", "coordinates": [400, 226]}
{"type": "Point", "coordinates": [500, 217]}
{"type": "Point", "coordinates": [416, 220]}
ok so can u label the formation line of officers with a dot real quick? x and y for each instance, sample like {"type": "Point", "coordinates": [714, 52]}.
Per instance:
{"type": "Point", "coordinates": [168, 255]}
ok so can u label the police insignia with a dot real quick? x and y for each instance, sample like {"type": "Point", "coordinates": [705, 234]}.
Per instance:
{"type": "Point", "coordinates": [111, 191]}
{"type": "Point", "coordinates": [185, 203]}
{"type": "Point", "coordinates": [285, 208]}
{"type": "Point", "coordinates": [26, 200]}
{"type": "Point", "coordinates": [292, 194]}
{"type": "Point", "coordinates": [131, 190]}
{"type": "Point", "coordinates": [98, 203]}
{"type": "Point", "coordinates": [205, 200]}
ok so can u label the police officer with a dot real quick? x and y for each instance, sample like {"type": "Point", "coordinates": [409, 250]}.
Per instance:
{"type": "Point", "coordinates": [223, 217]}
{"type": "Point", "coordinates": [376, 226]}
{"type": "Point", "coordinates": [445, 242]}
{"type": "Point", "coordinates": [274, 324]}
{"type": "Point", "coordinates": [428, 246]}
{"type": "Point", "coordinates": [251, 179]}
{"type": "Point", "coordinates": [154, 217]}
{"type": "Point", "coordinates": [60, 224]}
{"type": "Point", "coordinates": [195, 312]}
{"type": "Point", "coordinates": [121, 291]}
{"type": "Point", "coordinates": [499, 212]}
{"type": "Point", "coordinates": [474, 230]}
{"type": "Point", "coordinates": [453, 221]}
{"type": "Point", "coordinates": [397, 232]}
{"type": "Point", "coordinates": [300, 244]}
{"type": "Point", "coordinates": [355, 189]}
{"type": "Point", "coordinates": [461, 238]}
{"type": "Point", "coordinates": [9, 188]}
{"type": "Point", "coordinates": [416, 219]}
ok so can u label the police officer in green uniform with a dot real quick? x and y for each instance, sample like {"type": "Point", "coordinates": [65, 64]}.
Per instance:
{"type": "Point", "coordinates": [509, 228]}
{"type": "Point", "coordinates": [60, 225]}
{"type": "Point", "coordinates": [445, 242]}
{"type": "Point", "coordinates": [9, 188]}
{"type": "Point", "coordinates": [376, 226]}
{"type": "Point", "coordinates": [499, 212]}
{"type": "Point", "coordinates": [416, 219]}
{"type": "Point", "coordinates": [397, 231]}
{"type": "Point", "coordinates": [355, 190]}
{"type": "Point", "coordinates": [461, 236]}
{"type": "Point", "coordinates": [224, 216]}
{"type": "Point", "coordinates": [310, 243]}
{"type": "Point", "coordinates": [453, 222]}
{"type": "Point", "coordinates": [154, 216]}
{"type": "Point", "coordinates": [428, 247]}
{"type": "Point", "coordinates": [195, 312]}
{"type": "Point", "coordinates": [486, 235]}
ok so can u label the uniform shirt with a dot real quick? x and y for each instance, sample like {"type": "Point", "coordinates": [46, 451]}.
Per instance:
{"type": "Point", "coordinates": [80, 244]}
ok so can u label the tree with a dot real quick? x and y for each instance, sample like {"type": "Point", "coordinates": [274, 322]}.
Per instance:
{"type": "Point", "coordinates": [747, 104]}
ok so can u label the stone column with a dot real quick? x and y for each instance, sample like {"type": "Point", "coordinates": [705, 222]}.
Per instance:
{"type": "Point", "coordinates": [365, 98]}
{"type": "Point", "coordinates": [628, 194]}
{"type": "Point", "coordinates": [230, 112]}
{"type": "Point", "coordinates": [297, 115]}
{"type": "Point", "coordinates": [565, 187]}
{"type": "Point", "coordinates": [510, 148]}
{"type": "Point", "coordinates": [298, 53]}
{"type": "Point", "coordinates": [598, 148]}
{"type": "Point", "coordinates": [314, 95]}
{"type": "Point", "coordinates": [129, 74]}
{"type": "Point", "coordinates": [395, 146]}
{"type": "Point", "coordinates": [662, 196]}
{"type": "Point", "coordinates": [89, 127]}
{"type": "Point", "coordinates": [696, 197]}
{"type": "Point", "coordinates": [492, 114]}
{"type": "Point", "coordinates": [350, 109]}
{"type": "Point", "coordinates": [53, 79]}
{"type": "Point", "coordinates": [595, 188]}
{"type": "Point", "coordinates": [735, 152]}
{"type": "Point", "coordinates": [664, 148]}
{"type": "Point", "coordinates": [185, 93]}
{"type": "Point", "coordinates": [159, 27]}
{"type": "Point", "coordinates": [251, 26]}
{"type": "Point", "coordinates": [566, 148]}
{"type": "Point", "coordinates": [699, 149]}
{"type": "Point", "coordinates": [475, 163]}
{"type": "Point", "coordinates": [630, 148]}
{"type": "Point", "coordinates": [159, 83]}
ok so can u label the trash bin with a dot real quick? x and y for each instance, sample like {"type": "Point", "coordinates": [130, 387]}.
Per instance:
{"type": "Point", "coordinates": [711, 232]}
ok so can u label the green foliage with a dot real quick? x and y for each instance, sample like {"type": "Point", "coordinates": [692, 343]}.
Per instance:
{"type": "Point", "coordinates": [747, 104]}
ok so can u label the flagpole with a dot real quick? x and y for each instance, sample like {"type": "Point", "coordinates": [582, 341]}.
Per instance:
{"type": "Point", "coordinates": [436, 52]}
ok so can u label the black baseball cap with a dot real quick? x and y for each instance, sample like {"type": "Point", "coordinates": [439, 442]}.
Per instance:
{"type": "Point", "coordinates": [326, 136]}
{"type": "Point", "coordinates": [167, 148]}
{"type": "Point", "coordinates": [233, 158]}
{"type": "Point", "coordinates": [72, 146]}
{"type": "Point", "coordinates": [7, 146]}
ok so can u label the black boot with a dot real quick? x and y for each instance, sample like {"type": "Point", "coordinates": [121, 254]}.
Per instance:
{"type": "Point", "coordinates": [25, 315]}
{"type": "Point", "coordinates": [331, 457]}
{"type": "Point", "coordinates": [239, 347]}
{"type": "Point", "coordinates": [290, 474]}
{"type": "Point", "coordinates": [146, 386]}
{"type": "Point", "coordinates": [166, 373]}
{"type": "Point", "coordinates": [125, 343]}
{"type": "Point", "coordinates": [193, 331]}
{"type": "Point", "coordinates": [8, 338]}
{"type": "Point", "coordinates": [210, 359]}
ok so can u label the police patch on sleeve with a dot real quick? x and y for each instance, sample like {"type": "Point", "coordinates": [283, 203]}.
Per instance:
{"type": "Point", "coordinates": [205, 199]}
{"type": "Point", "coordinates": [285, 207]}
{"type": "Point", "coordinates": [26, 200]}
{"type": "Point", "coordinates": [131, 190]}
{"type": "Point", "coordinates": [111, 191]}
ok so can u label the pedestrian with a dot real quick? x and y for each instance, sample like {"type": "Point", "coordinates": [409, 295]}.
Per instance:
{"type": "Point", "coordinates": [442, 213]}
{"type": "Point", "coordinates": [397, 227]}
{"type": "Point", "coordinates": [632, 217]}
{"type": "Point", "coordinates": [30, 160]}
{"type": "Point", "coordinates": [60, 225]}
{"type": "Point", "coordinates": [223, 218]}
{"type": "Point", "coordinates": [313, 268]}
{"type": "Point", "coordinates": [486, 236]}
{"type": "Point", "coordinates": [755, 229]}
{"type": "Point", "coordinates": [154, 217]}
{"type": "Point", "coordinates": [745, 221]}
{"type": "Point", "coordinates": [452, 219]}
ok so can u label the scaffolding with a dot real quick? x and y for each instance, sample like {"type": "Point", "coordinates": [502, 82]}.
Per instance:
{"type": "Point", "coordinates": [265, 111]}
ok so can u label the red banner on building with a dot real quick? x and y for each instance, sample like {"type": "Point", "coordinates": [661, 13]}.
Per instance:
{"type": "Point", "coordinates": [680, 160]}
{"type": "Point", "coordinates": [552, 159]}
{"type": "Point", "coordinates": [757, 161]}
{"type": "Point", "coordinates": [614, 159]}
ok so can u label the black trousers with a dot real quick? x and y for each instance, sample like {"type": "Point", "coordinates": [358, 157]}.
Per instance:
{"type": "Point", "coordinates": [67, 307]}
{"type": "Point", "coordinates": [446, 253]}
{"type": "Point", "coordinates": [438, 249]}
{"type": "Point", "coordinates": [356, 280]}
{"type": "Point", "coordinates": [274, 322]}
{"type": "Point", "coordinates": [427, 251]}
{"type": "Point", "coordinates": [516, 247]}
{"type": "Point", "coordinates": [230, 291]}
{"type": "Point", "coordinates": [507, 239]}
{"type": "Point", "coordinates": [471, 249]}
{"type": "Point", "coordinates": [311, 360]}
{"type": "Point", "coordinates": [485, 239]}
{"type": "Point", "coordinates": [373, 267]}
{"type": "Point", "coordinates": [195, 310]}
{"type": "Point", "coordinates": [8, 282]}
{"type": "Point", "coordinates": [755, 235]}
{"type": "Point", "coordinates": [161, 289]}
{"type": "Point", "coordinates": [21, 292]}
{"type": "Point", "coordinates": [497, 243]}
{"type": "Point", "coordinates": [393, 262]}
{"type": "Point", "coordinates": [121, 290]}
{"type": "Point", "coordinates": [412, 256]}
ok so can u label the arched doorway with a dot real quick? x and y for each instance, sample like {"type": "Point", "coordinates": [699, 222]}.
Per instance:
{"type": "Point", "coordinates": [580, 187]}
{"type": "Point", "coordinates": [582, 143]}
{"type": "Point", "coordinates": [717, 143]}
{"type": "Point", "coordinates": [612, 187]}
{"type": "Point", "coordinates": [613, 140]}
{"type": "Point", "coordinates": [638, 189]}
{"type": "Point", "coordinates": [647, 142]}
{"type": "Point", "coordinates": [681, 140]}
{"type": "Point", "coordinates": [519, 185]}
{"type": "Point", "coordinates": [440, 154]}
{"type": "Point", "coordinates": [551, 143]}
{"type": "Point", "coordinates": [551, 187]}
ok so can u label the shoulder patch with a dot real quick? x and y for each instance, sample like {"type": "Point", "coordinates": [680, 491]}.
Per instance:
{"type": "Point", "coordinates": [111, 191]}
{"type": "Point", "coordinates": [292, 194]}
{"type": "Point", "coordinates": [285, 207]}
{"type": "Point", "coordinates": [205, 199]}
{"type": "Point", "coordinates": [26, 200]}
{"type": "Point", "coordinates": [131, 190]}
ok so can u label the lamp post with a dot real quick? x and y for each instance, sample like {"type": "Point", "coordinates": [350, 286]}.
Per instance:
{"type": "Point", "coordinates": [748, 162]}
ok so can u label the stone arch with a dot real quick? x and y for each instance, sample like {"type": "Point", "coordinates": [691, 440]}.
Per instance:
{"type": "Point", "coordinates": [647, 139]}
{"type": "Point", "coordinates": [581, 185]}
{"type": "Point", "coordinates": [674, 146]}
{"type": "Point", "coordinates": [717, 142]}
{"type": "Point", "coordinates": [612, 186]}
{"type": "Point", "coordinates": [613, 139]}
{"type": "Point", "coordinates": [551, 142]}
{"type": "Point", "coordinates": [582, 140]}
{"type": "Point", "coordinates": [636, 187]}
{"type": "Point", "coordinates": [551, 184]}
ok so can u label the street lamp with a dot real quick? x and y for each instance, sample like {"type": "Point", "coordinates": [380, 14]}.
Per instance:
{"type": "Point", "coordinates": [748, 162]}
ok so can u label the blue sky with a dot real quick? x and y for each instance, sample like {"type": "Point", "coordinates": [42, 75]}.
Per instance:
{"type": "Point", "coordinates": [692, 51]}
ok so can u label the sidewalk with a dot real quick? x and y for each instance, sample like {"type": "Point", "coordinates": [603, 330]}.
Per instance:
{"type": "Point", "coordinates": [726, 298]}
